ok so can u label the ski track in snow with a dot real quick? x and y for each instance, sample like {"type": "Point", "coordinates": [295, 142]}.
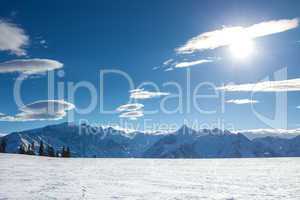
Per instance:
{"type": "Point", "coordinates": [33, 177]}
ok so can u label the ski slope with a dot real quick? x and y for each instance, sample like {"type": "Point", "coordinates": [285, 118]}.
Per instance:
{"type": "Point", "coordinates": [33, 177]}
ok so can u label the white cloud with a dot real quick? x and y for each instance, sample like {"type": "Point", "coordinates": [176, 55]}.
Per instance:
{"type": "Point", "coordinates": [29, 66]}
{"type": "Point", "coordinates": [144, 94]}
{"type": "Point", "coordinates": [167, 62]}
{"type": "Point", "coordinates": [169, 69]}
{"type": "Point", "coordinates": [229, 35]}
{"type": "Point", "coordinates": [130, 107]}
{"type": "Point", "coordinates": [242, 101]}
{"type": "Point", "coordinates": [44, 43]}
{"type": "Point", "coordinates": [156, 67]}
{"type": "Point", "coordinates": [192, 63]}
{"type": "Point", "coordinates": [136, 90]}
{"type": "Point", "coordinates": [41, 110]}
{"type": "Point", "coordinates": [266, 86]}
{"type": "Point", "coordinates": [298, 107]}
{"type": "Point", "coordinates": [132, 115]}
{"type": "Point", "coordinates": [12, 38]}
{"type": "Point", "coordinates": [48, 106]}
{"type": "Point", "coordinates": [38, 116]}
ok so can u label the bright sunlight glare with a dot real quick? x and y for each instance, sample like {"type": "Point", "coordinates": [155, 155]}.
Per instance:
{"type": "Point", "coordinates": [242, 48]}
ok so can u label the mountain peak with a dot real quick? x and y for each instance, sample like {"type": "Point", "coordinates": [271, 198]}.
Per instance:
{"type": "Point", "coordinates": [184, 129]}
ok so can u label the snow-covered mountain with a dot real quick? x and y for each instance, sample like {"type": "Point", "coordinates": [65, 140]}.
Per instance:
{"type": "Point", "coordinates": [260, 133]}
{"type": "Point", "coordinates": [2, 135]}
{"type": "Point", "coordinates": [183, 143]}
{"type": "Point", "coordinates": [84, 141]}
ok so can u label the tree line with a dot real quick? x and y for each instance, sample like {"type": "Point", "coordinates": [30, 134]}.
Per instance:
{"type": "Point", "coordinates": [2, 145]}
{"type": "Point", "coordinates": [44, 150]}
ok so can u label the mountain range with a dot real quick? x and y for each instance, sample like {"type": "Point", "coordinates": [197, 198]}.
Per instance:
{"type": "Point", "coordinates": [109, 142]}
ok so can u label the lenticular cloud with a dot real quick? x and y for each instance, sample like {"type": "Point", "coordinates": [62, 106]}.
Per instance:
{"type": "Point", "coordinates": [133, 115]}
{"type": "Point", "coordinates": [228, 35]}
{"type": "Point", "coordinates": [144, 94]}
{"type": "Point", "coordinates": [265, 86]}
{"type": "Point", "coordinates": [41, 110]}
{"type": "Point", "coordinates": [29, 66]}
{"type": "Point", "coordinates": [192, 63]}
{"type": "Point", "coordinates": [130, 107]}
{"type": "Point", "coordinates": [242, 101]}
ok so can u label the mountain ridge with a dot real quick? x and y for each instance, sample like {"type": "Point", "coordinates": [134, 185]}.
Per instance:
{"type": "Point", "coordinates": [109, 142]}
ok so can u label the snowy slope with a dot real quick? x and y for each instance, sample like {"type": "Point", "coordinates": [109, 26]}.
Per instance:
{"type": "Point", "coordinates": [34, 177]}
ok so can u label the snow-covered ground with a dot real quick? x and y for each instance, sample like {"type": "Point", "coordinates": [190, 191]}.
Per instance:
{"type": "Point", "coordinates": [32, 177]}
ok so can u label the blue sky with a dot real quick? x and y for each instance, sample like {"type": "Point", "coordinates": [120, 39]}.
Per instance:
{"type": "Point", "coordinates": [137, 36]}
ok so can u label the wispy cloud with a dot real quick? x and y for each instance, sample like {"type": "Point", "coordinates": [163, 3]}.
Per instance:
{"type": "Point", "coordinates": [12, 38]}
{"type": "Point", "coordinates": [136, 90]}
{"type": "Point", "coordinates": [229, 35]}
{"type": "Point", "coordinates": [242, 101]}
{"type": "Point", "coordinates": [144, 94]}
{"type": "Point", "coordinates": [169, 69]}
{"type": "Point", "coordinates": [192, 63]}
{"type": "Point", "coordinates": [166, 65]}
{"type": "Point", "coordinates": [169, 61]}
{"type": "Point", "coordinates": [266, 86]}
{"type": "Point", "coordinates": [29, 66]}
{"type": "Point", "coordinates": [41, 110]}
{"type": "Point", "coordinates": [132, 115]}
{"type": "Point", "coordinates": [172, 64]}
{"type": "Point", "coordinates": [130, 107]}
{"type": "Point", "coordinates": [43, 43]}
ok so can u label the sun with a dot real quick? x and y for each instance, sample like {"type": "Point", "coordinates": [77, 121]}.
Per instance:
{"type": "Point", "coordinates": [241, 48]}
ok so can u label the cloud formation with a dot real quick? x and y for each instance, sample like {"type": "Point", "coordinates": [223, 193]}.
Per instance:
{"type": "Point", "coordinates": [12, 38]}
{"type": "Point", "coordinates": [265, 86]}
{"type": "Point", "coordinates": [47, 106]}
{"type": "Point", "coordinates": [41, 110]}
{"type": "Point", "coordinates": [169, 61]}
{"type": "Point", "coordinates": [242, 101]}
{"type": "Point", "coordinates": [229, 35]}
{"type": "Point", "coordinates": [43, 43]}
{"type": "Point", "coordinates": [192, 63]}
{"type": "Point", "coordinates": [130, 107]}
{"type": "Point", "coordinates": [132, 115]}
{"type": "Point", "coordinates": [144, 94]}
{"type": "Point", "coordinates": [29, 66]}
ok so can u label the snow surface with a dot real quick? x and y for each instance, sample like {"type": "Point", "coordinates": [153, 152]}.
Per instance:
{"type": "Point", "coordinates": [33, 177]}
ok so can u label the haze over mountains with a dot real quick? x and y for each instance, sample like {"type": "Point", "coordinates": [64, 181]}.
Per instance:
{"type": "Point", "coordinates": [184, 143]}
